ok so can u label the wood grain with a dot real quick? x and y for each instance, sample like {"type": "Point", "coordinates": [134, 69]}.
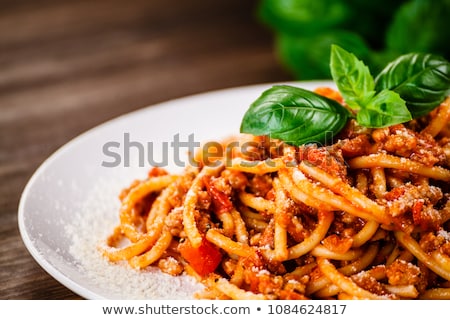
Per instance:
{"type": "Point", "coordinates": [66, 66]}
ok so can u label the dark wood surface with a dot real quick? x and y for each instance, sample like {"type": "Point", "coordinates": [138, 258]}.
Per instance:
{"type": "Point", "coordinates": [66, 66]}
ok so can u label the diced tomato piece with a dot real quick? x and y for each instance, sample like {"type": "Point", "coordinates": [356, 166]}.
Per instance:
{"type": "Point", "coordinates": [204, 259]}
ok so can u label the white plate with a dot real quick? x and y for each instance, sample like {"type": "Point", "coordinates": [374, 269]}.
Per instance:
{"type": "Point", "coordinates": [71, 202]}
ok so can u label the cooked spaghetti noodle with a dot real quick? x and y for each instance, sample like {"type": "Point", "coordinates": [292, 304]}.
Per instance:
{"type": "Point", "coordinates": [367, 217]}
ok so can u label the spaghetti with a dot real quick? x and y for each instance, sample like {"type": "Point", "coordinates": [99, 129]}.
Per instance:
{"type": "Point", "coordinates": [367, 217]}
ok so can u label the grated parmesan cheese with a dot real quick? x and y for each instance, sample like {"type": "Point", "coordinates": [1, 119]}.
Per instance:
{"type": "Point", "coordinates": [89, 229]}
{"type": "Point", "coordinates": [444, 234]}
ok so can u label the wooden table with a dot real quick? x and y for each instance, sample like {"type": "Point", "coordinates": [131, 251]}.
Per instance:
{"type": "Point", "coordinates": [66, 66]}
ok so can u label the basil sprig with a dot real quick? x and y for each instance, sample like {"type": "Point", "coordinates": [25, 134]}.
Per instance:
{"type": "Point", "coordinates": [357, 86]}
{"type": "Point", "coordinates": [410, 86]}
{"type": "Point", "coordinates": [294, 115]}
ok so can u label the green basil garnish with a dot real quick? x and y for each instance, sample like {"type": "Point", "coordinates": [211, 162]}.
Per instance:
{"type": "Point", "coordinates": [357, 86]}
{"type": "Point", "coordinates": [384, 109]}
{"type": "Point", "coordinates": [422, 80]}
{"type": "Point", "coordinates": [294, 115]}
{"type": "Point", "coordinates": [352, 78]}
{"type": "Point", "coordinates": [410, 86]}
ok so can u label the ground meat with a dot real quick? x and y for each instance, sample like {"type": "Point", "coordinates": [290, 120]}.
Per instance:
{"type": "Point", "coordinates": [203, 220]}
{"type": "Point", "coordinates": [445, 249]}
{"type": "Point", "coordinates": [354, 147]}
{"type": "Point", "coordinates": [445, 145]}
{"type": "Point", "coordinates": [222, 185]}
{"type": "Point", "coordinates": [183, 185]}
{"type": "Point", "coordinates": [346, 225]}
{"type": "Point", "coordinates": [426, 216]}
{"type": "Point", "coordinates": [403, 198]}
{"type": "Point", "coordinates": [337, 244]}
{"type": "Point", "coordinates": [236, 179]}
{"type": "Point", "coordinates": [203, 200]}
{"type": "Point", "coordinates": [174, 221]}
{"type": "Point", "coordinates": [396, 139]}
{"type": "Point", "coordinates": [262, 280]}
{"type": "Point", "coordinates": [431, 241]}
{"type": "Point", "coordinates": [330, 159]}
{"type": "Point", "coordinates": [413, 205]}
{"type": "Point", "coordinates": [428, 151]}
{"type": "Point", "coordinates": [366, 281]}
{"type": "Point", "coordinates": [400, 141]}
{"type": "Point", "coordinates": [260, 185]}
{"type": "Point", "coordinates": [402, 273]}
{"type": "Point", "coordinates": [171, 266]}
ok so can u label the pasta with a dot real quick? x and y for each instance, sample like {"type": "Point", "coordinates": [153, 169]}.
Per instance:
{"type": "Point", "coordinates": [367, 217]}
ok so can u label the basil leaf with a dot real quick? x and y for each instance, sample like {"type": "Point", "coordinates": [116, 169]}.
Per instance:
{"type": "Point", "coordinates": [352, 77]}
{"type": "Point", "coordinates": [357, 86]}
{"type": "Point", "coordinates": [385, 109]}
{"type": "Point", "coordinates": [422, 80]}
{"type": "Point", "coordinates": [294, 115]}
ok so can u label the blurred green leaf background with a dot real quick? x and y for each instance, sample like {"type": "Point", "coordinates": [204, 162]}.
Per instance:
{"type": "Point", "coordinates": [376, 31]}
